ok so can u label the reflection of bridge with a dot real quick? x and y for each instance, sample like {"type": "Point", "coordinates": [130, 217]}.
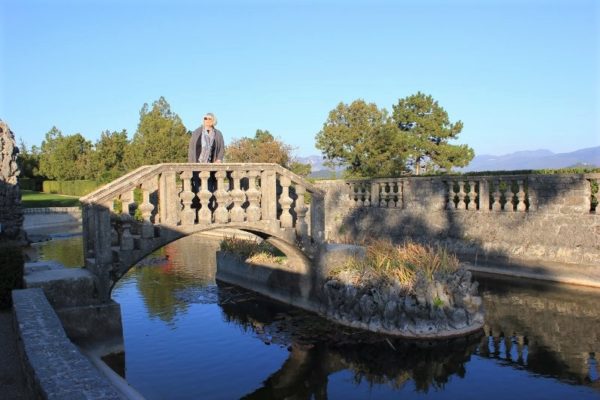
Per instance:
{"type": "Point", "coordinates": [142, 211]}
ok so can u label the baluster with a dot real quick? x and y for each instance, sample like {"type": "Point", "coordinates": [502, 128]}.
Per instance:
{"type": "Point", "coordinates": [496, 206]}
{"type": "Point", "coordinates": [508, 197]}
{"type": "Point", "coordinates": [301, 209]}
{"type": "Point", "coordinates": [126, 238]}
{"type": "Point", "coordinates": [386, 191]}
{"type": "Point", "coordinates": [461, 205]}
{"type": "Point", "coordinates": [400, 194]}
{"type": "Point", "coordinates": [253, 194]}
{"type": "Point", "coordinates": [188, 215]}
{"type": "Point", "coordinates": [354, 194]}
{"type": "Point", "coordinates": [521, 197]}
{"type": "Point", "coordinates": [238, 196]}
{"type": "Point", "coordinates": [359, 195]}
{"type": "Point", "coordinates": [222, 198]}
{"type": "Point", "coordinates": [450, 205]}
{"type": "Point", "coordinates": [472, 204]}
{"type": "Point", "coordinates": [114, 235]}
{"type": "Point", "coordinates": [375, 194]}
{"type": "Point", "coordinates": [204, 195]}
{"type": "Point", "coordinates": [146, 208]}
{"type": "Point", "coordinates": [366, 195]}
{"type": "Point", "coordinates": [286, 202]}
{"type": "Point", "coordinates": [395, 192]}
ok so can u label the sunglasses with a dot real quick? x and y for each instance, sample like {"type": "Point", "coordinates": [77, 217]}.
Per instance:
{"type": "Point", "coordinates": [205, 118]}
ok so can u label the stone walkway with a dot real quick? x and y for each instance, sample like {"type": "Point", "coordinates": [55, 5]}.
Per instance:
{"type": "Point", "coordinates": [12, 381]}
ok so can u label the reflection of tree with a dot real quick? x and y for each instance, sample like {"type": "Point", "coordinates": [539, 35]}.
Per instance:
{"type": "Point", "coordinates": [320, 348]}
{"type": "Point", "coordinates": [184, 265]}
{"type": "Point", "coordinates": [66, 251]}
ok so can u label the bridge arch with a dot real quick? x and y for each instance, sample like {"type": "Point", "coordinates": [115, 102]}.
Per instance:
{"type": "Point", "coordinates": [148, 208]}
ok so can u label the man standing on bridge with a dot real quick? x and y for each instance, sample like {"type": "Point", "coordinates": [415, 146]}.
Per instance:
{"type": "Point", "coordinates": [206, 144]}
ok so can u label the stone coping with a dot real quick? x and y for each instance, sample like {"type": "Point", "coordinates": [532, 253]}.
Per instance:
{"type": "Point", "coordinates": [53, 365]}
{"type": "Point", "coordinates": [52, 210]}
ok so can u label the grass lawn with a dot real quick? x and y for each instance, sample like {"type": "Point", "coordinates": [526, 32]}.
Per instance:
{"type": "Point", "coordinates": [31, 199]}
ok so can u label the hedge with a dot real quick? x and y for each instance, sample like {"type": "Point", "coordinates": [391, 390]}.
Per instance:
{"type": "Point", "coordinates": [72, 188]}
{"type": "Point", "coordinates": [30, 184]}
{"type": "Point", "coordinates": [11, 273]}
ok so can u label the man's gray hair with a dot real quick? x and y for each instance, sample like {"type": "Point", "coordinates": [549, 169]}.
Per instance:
{"type": "Point", "coordinates": [213, 118]}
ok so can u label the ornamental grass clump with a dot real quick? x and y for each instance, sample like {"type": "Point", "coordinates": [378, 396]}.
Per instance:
{"type": "Point", "coordinates": [253, 250]}
{"type": "Point", "coordinates": [387, 264]}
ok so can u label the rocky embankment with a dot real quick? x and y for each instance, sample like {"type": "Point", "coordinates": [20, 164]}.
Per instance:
{"type": "Point", "coordinates": [442, 307]}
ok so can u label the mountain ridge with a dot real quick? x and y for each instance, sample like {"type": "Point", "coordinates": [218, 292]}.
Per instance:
{"type": "Point", "coordinates": [518, 160]}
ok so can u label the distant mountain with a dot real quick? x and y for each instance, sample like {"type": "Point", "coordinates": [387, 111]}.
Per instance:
{"type": "Point", "coordinates": [318, 168]}
{"type": "Point", "coordinates": [532, 159]}
{"type": "Point", "coordinates": [537, 159]}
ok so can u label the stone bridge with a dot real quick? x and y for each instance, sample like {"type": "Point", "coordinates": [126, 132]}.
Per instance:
{"type": "Point", "coordinates": [154, 205]}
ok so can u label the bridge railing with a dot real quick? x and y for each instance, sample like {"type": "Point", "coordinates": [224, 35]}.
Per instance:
{"type": "Point", "coordinates": [189, 197]}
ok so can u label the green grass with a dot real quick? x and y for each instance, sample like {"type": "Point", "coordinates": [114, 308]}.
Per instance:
{"type": "Point", "coordinates": [31, 199]}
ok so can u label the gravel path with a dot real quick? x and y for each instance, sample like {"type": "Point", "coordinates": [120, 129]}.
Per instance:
{"type": "Point", "coordinates": [12, 381]}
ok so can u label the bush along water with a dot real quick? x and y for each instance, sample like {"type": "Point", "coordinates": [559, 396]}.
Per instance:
{"type": "Point", "coordinates": [408, 290]}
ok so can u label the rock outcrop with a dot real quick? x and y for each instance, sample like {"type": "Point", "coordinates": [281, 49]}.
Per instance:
{"type": "Point", "coordinates": [11, 215]}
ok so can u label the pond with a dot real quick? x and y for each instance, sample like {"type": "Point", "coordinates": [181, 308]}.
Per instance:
{"type": "Point", "coordinates": [188, 336]}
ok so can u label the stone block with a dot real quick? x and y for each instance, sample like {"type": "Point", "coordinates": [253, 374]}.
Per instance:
{"type": "Point", "coordinates": [65, 287]}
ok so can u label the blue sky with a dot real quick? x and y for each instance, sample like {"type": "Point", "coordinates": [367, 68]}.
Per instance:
{"type": "Point", "coordinates": [521, 75]}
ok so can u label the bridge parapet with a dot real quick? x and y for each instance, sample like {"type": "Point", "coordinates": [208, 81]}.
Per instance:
{"type": "Point", "coordinates": [156, 204]}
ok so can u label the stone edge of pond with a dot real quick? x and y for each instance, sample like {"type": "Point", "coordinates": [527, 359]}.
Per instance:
{"type": "Point", "coordinates": [256, 277]}
{"type": "Point", "coordinates": [54, 367]}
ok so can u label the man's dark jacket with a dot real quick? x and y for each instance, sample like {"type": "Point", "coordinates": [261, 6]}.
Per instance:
{"type": "Point", "coordinates": [195, 146]}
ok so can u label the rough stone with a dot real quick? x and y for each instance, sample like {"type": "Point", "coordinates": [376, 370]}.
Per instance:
{"type": "Point", "coordinates": [11, 214]}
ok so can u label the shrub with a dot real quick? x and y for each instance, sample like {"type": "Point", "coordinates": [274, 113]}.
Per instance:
{"type": "Point", "coordinates": [11, 273]}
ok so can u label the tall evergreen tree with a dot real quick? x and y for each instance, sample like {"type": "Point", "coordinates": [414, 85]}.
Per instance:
{"type": "Point", "coordinates": [107, 161]}
{"type": "Point", "coordinates": [428, 130]}
{"type": "Point", "coordinates": [160, 137]}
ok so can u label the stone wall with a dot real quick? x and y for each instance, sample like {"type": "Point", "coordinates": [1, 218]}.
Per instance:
{"type": "Point", "coordinates": [11, 216]}
{"type": "Point", "coordinates": [54, 367]}
{"type": "Point", "coordinates": [549, 218]}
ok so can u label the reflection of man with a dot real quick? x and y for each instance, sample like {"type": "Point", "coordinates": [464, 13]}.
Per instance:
{"type": "Point", "coordinates": [206, 144]}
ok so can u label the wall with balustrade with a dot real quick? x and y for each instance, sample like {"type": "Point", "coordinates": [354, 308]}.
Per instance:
{"type": "Point", "coordinates": [550, 218]}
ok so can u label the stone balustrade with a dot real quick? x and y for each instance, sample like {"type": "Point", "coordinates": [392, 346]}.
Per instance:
{"type": "Point", "coordinates": [507, 193]}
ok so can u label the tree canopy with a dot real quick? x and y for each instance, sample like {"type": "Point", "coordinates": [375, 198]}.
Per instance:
{"type": "Point", "coordinates": [428, 130]}
{"type": "Point", "coordinates": [160, 137]}
{"type": "Point", "coordinates": [107, 161]}
{"type": "Point", "coordinates": [361, 137]}
{"type": "Point", "coordinates": [370, 143]}
{"type": "Point", "coordinates": [264, 148]}
{"type": "Point", "coordinates": [64, 157]}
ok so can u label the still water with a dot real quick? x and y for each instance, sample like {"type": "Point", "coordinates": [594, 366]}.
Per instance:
{"type": "Point", "coordinates": [190, 337]}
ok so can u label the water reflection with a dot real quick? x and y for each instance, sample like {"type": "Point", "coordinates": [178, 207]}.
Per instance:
{"type": "Point", "coordinates": [319, 349]}
{"type": "Point", "coordinates": [548, 329]}
{"type": "Point", "coordinates": [188, 337]}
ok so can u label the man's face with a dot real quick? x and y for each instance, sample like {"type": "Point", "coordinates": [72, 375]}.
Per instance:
{"type": "Point", "coordinates": [208, 121]}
